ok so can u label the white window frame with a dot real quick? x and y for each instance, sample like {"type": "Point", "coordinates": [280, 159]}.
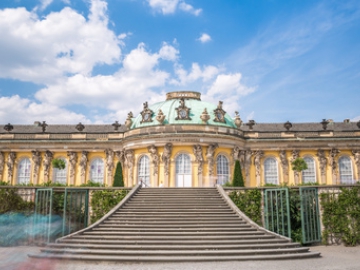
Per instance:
{"type": "Point", "coordinates": [96, 175]}
{"type": "Point", "coordinates": [309, 175]}
{"type": "Point", "coordinates": [346, 175]}
{"type": "Point", "coordinates": [144, 171]}
{"type": "Point", "coordinates": [272, 176]}
{"type": "Point", "coordinates": [24, 171]}
{"type": "Point", "coordinates": [222, 169]}
{"type": "Point", "coordinates": [60, 176]}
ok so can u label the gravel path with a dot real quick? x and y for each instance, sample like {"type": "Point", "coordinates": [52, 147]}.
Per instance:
{"type": "Point", "coordinates": [333, 258]}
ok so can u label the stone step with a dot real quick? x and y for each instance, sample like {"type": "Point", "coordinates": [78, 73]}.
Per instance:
{"type": "Point", "coordinates": [172, 233]}
{"type": "Point", "coordinates": [166, 222]}
{"type": "Point", "coordinates": [172, 229]}
{"type": "Point", "coordinates": [198, 211]}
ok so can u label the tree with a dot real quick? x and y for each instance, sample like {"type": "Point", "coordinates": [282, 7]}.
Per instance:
{"type": "Point", "coordinates": [58, 163]}
{"type": "Point", "coordinates": [118, 177]}
{"type": "Point", "coordinates": [238, 180]}
{"type": "Point", "coordinates": [299, 165]}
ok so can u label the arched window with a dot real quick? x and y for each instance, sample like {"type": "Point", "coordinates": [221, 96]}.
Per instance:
{"type": "Point", "coordinates": [97, 171]}
{"type": "Point", "coordinates": [183, 171]}
{"type": "Point", "coordinates": [271, 171]}
{"type": "Point", "coordinates": [144, 171]}
{"type": "Point", "coordinates": [345, 170]}
{"type": "Point", "coordinates": [222, 169]}
{"type": "Point", "coordinates": [59, 176]}
{"type": "Point", "coordinates": [309, 175]}
{"type": "Point", "coordinates": [24, 171]}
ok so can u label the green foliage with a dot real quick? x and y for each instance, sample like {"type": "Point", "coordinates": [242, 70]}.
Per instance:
{"type": "Point", "coordinates": [58, 163]}
{"type": "Point", "coordinates": [249, 202]}
{"type": "Point", "coordinates": [3, 183]}
{"type": "Point", "coordinates": [299, 165]}
{"type": "Point", "coordinates": [90, 183]}
{"type": "Point", "coordinates": [118, 177]}
{"type": "Point", "coordinates": [102, 201]}
{"type": "Point", "coordinates": [238, 180]}
{"type": "Point", "coordinates": [11, 201]}
{"type": "Point", "coordinates": [227, 184]}
{"type": "Point", "coordinates": [341, 216]}
{"type": "Point", "coordinates": [295, 215]}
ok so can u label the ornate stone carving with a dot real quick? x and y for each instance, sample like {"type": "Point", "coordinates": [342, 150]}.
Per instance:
{"type": "Point", "coordinates": [322, 161]}
{"type": "Point", "coordinates": [183, 112]}
{"type": "Point", "coordinates": [198, 157]}
{"type": "Point", "coordinates": [165, 157]}
{"type": "Point", "coordinates": [47, 163]}
{"type": "Point", "coordinates": [146, 114]}
{"type": "Point", "coordinates": [80, 127]}
{"type": "Point", "coordinates": [332, 160]}
{"type": "Point", "coordinates": [120, 155]}
{"type": "Point", "coordinates": [324, 124]}
{"type": "Point", "coordinates": [219, 113]}
{"type": "Point", "coordinates": [36, 158]}
{"type": "Point", "coordinates": [72, 162]}
{"type": "Point", "coordinates": [284, 162]}
{"type": "Point", "coordinates": [248, 154]}
{"type": "Point", "coordinates": [109, 160]}
{"type": "Point", "coordinates": [160, 117]}
{"type": "Point", "coordinates": [129, 162]}
{"type": "Point", "coordinates": [8, 127]}
{"type": "Point", "coordinates": [116, 125]}
{"type": "Point", "coordinates": [10, 164]}
{"type": "Point", "coordinates": [204, 116]}
{"type": "Point", "coordinates": [128, 121]}
{"type": "Point", "coordinates": [258, 155]}
{"type": "Point", "coordinates": [294, 155]}
{"type": "Point", "coordinates": [83, 162]}
{"type": "Point", "coordinates": [210, 153]}
{"type": "Point", "coordinates": [43, 126]}
{"type": "Point", "coordinates": [236, 153]}
{"type": "Point", "coordinates": [2, 164]}
{"type": "Point", "coordinates": [250, 124]}
{"type": "Point", "coordinates": [288, 126]}
{"type": "Point", "coordinates": [238, 120]}
{"type": "Point", "coordinates": [154, 158]}
{"type": "Point", "coordinates": [356, 154]}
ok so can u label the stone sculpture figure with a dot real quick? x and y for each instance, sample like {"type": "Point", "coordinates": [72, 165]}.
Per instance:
{"type": "Point", "coordinates": [83, 162]}
{"type": "Point", "coordinates": [165, 157]}
{"type": "Point", "coordinates": [198, 157]}
{"type": "Point", "coordinates": [154, 158]}
{"type": "Point", "coordinates": [120, 156]}
{"type": "Point", "coordinates": [47, 162]}
{"type": "Point", "coordinates": [332, 160]}
{"type": "Point", "coordinates": [129, 162]}
{"type": "Point", "coordinates": [109, 160]}
{"type": "Point", "coordinates": [356, 154]}
{"type": "Point", "coordinates": [284, 162]}
{"type": "Point", "coordinates": [322, 161]}
{"type": "Point", "coordinates": [2, 164]}
{"type": "Point", "coordinates": [72, 161]}
{"type": "Point", "coordinates": [236, 153]}
{"type": "Point", "coordinates": [36, 158]}
{"type": "Point", "coordinates": [248, 154]}
{"type": "Point", "coordinates": [210, 153]}
{"type": "Point", "coordinates": [258, 155]}
{"type": "Point", "coordinates": [10, 164]}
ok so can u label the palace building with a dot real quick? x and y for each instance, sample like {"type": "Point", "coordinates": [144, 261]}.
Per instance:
{"type": "Point", "coordinates": [181, 142]}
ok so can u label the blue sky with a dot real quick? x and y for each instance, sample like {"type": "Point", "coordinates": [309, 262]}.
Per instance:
{"type": "Point", "coordinates": [66, 61]}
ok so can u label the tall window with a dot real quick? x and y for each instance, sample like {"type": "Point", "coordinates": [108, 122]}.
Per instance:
{"type": "Point", "coordinates": [309, 175]}
{"type": "Point", "coordinates": [97, 171]}
{"type": "Point", "coordinates": [144, 171]}
{"type": "Point", "coordinates": [222, 169]}
{"type": "Point", "coordinates": [59, 176]}
{"type": "Point", "coordinates": [345, 170]}
{"type": "Point", "coordinates": [271, 171]}
{"type": "Point", "coordinates": [183, 171]}
{"type": "Point", "coordinates": [24, 171]}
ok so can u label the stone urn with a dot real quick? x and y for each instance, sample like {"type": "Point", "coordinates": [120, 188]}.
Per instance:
{"type": "Point", "coordinates": [160, 117]}
{"type": "Point", "coordinates": [204, 116]}
{"type": "Point", "coordinates": [238, 120]}
{"type": "Point", "coordinates": [128, 121]}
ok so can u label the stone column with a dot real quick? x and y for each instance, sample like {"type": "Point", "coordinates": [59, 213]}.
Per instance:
{"type": "Point", "coordinates": [294, 155]}
{"type": "Point", "coordinates": [109, 166]}
{"type": "Point", "coordinates": [247, 162]}
{"type": "Point", "coordinates": [155, 160]}
{"type": "Point", "coordinates": [323, 164]}
{"type": "Point", "coordinates": [36, 159]}
{"type": "Point", "coordinates": [210, 153]}
{"type": "Point", "coordinates": [200, 161]}
{"type": "Point", "coordinates": [83, 165]}
{"type": "Point", "coordinates": [356, 154]}
{"type": "Point", "coordinates": [284, 166]}
{"type": "Point", "coordinates": [257, 162]}
{"type": "Point", "coordinates": [47, 164]}
{"type": "Point", "coordinates": [72, 165]}
{"type": "Point", "coordinates": [165, 157]}
{"type": "Point", "coordinates": [333, 163]}
{"type": "Point", "coordinates": [10, 164]}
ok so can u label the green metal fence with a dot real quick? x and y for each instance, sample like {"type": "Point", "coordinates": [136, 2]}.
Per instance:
{"type": "Point", "coordinates": [277, 211]}
{"type": "Point", "coordinates": [43, 214]}
{"type": "Point", "coordinates": [75, 215]}
{"type": "Point", "coordinates": [310, 217]}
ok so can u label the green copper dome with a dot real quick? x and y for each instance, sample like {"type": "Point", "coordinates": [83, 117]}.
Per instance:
{"type": "Point", "coordinates": [183, 108]}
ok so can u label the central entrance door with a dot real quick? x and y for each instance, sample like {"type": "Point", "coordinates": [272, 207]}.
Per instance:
{"type": "Point", "coordinates": [183, 171]}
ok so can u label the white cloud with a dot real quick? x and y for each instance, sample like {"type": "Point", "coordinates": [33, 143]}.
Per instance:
{"type": "Point", "coordinates": [168, 52]}
{"type": "Point", "coordinates": [204, 38]}
{"type": "Point", "coordinates": [32, 111]}
{"type": "Point", "coordinates": [44, 4]}
{"type": "Point", "coordinates": [61, 43]}
{"type": "Point", "coordinates": [170, 6]}
{"type": "Point", "coordinates": [250, 116]}
{"type": "Point", "coordinates": [186, 77]}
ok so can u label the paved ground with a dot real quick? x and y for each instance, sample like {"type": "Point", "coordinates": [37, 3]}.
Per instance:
{"type": "Point", "coordinates": [333, 258]}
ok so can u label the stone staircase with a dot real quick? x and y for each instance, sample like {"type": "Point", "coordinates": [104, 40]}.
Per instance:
{"type": "Point", "coordinates": [175, 224]}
